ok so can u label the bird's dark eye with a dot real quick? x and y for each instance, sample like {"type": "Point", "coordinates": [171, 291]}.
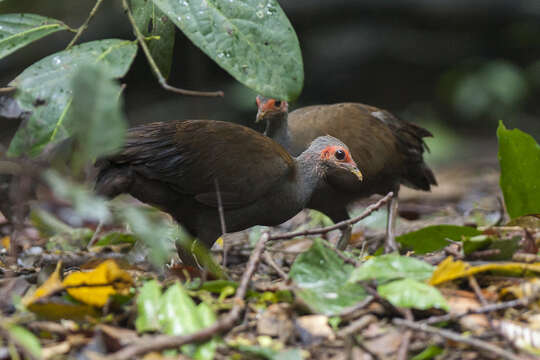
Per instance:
{"type": "Point", "coordinates": [340, 155]}
{"type": "Point", "coordinates": [277, 103]}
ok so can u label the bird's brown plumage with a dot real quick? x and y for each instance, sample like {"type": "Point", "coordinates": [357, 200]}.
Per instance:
{"type": "Point", "coordinates": [175, 166]}
{"type": "Point", "coordinates": [387, 150]}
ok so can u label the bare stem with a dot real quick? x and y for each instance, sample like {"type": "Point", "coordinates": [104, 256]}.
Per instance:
{"type": "Point", "coordinates": [339, 225]}
{"type": "Point", "coordinates": [161, 79]}
{"type": "Point", "coordinates": [84, 26]}
{"type": "Point", "coordinates": [476, 343]}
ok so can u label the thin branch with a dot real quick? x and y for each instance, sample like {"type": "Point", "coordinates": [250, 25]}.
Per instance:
{"type": "Point", "coordinates": [222, 222]}
{"type": "Point", "coordinates": [162, 342]}
{"type": "Point", "coordinates": [95, 235]}
{"type": "Point", "coordinates": [7, 89]}
{"type": "Point", "coordinates": [357, 325]}
{"type": "Point", "coordinates": [268, 259]}
{"type": "Point", "coordinates": [339, 225]}
{"type": "Point", "coordinates": [161, 79]}
{"type": "Point", "coordinates": [352, 309]}
{"type": "Point", "coordinates": [476, 343]}
{"type": "Point", "coordinates": [406, 339]}
{"type": "Point", "coordinates": [84, 26]}
{"type": "Point", "coordinates": [486, 309]}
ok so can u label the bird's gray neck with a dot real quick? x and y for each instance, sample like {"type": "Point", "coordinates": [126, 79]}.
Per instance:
{"type": "Point", "coordinates": [277, 128]}
{"type": "Point", "coordinates": [308, 176]}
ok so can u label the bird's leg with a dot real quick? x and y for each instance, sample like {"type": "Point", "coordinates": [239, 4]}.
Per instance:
{"type": "Point", "coordinates": [346, 234]}
{"type": "Point", "coordinates": [390, 243]}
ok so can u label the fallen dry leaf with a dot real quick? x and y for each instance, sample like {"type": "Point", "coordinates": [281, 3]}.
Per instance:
{"type": "Point", "coordinates": [49, 287]}
{"type": "Point", "coordinates": [96, 286]}
{"type": "Point", "coordinates": [449, 269]}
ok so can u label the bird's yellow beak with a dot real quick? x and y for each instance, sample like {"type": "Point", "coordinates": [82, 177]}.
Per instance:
{"type": "Point", "coordinates": [357, 172]}
{"type": "Point", "coordinates": [260, 115]}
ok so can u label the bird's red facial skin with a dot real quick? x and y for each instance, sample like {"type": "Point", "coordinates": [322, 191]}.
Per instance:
{"type": "Point", "coordinates": [270, 105]}
{"type": "Point", "coordinates": [329, 153]}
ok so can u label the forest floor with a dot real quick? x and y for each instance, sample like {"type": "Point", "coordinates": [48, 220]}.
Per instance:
{"type": "Point", "coordinates": [277, 317]}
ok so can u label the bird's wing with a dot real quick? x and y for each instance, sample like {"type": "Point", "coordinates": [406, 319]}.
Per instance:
{"type": "Point", "coordinates": [192, 155]}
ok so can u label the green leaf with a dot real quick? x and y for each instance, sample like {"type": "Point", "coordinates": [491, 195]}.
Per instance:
{"type": "Point", "coordinates": [152, 22]}
{"type": "Point", "coordinates": [45, 89]}
{"type": "Point", "coordinates": [322, 278]}
{"type": "Point", "coordinates": [207, 350]}
{"type": "Point", "coordinates": [428, 353]}
{"type": "Point", "coordinates": [19, 30]}
{"type": "Point", "coordinates": [180, 316]}
{"type": "Point", "coordinates": [26, 339]}
{"type": "Point", "coordinates": [115, 238]}
{"type": "Point", "coordinates": [96, 114]}
{"type": "Point", "coordinates": [156, 232]}
{"type": "Point", "coordinates": [251, 39]}
{"type": "Point", "coordinates": [433, 238]}
{"type": "Point", "coordinates": [392, 266]}
{"type": "Point", "coordinates": [86, 203]}
{"type": "Point", "coordinates": [411, 293]}
{"type": "Point", "coordinates": [148, 306]}
{"type": "Point", "coordinates": [519, 158]}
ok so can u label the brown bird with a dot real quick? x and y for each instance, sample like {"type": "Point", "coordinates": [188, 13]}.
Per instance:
{"type": "Point", "coordinates": [176, 166]}
{"type": "Point", "coordinates": [388, 151]}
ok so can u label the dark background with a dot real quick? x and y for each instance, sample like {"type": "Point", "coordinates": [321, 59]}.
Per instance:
{"type": "Point", "coordinates": [454, 66]}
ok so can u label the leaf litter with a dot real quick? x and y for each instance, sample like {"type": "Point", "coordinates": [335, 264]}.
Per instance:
{"type": "Point", "coordinates": [308, 301]}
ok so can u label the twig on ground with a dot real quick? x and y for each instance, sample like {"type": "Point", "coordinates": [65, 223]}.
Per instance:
{"type": "Point", "coordinates": [476, 343]}
{"type": "Point", "coordinates": [406, 339]}
{"type": "Point", "coordinates": [352, 309]}
{"type": "Point", "coordinates": [268, 260]}
{"type": "Point", "coordinates": [84, 26]}
{"type": "Point", "coordinates": [482, 310]}
{"type": "Point", "coordinates": [478, 292]}
{"type": "Point", "coordinates": [337, 226]}
{"type": "Point", "coordinates": [161, 79]}
{"type": "Point", "coordinates": [480, 254]}
{"type": "Point", "coordinates": [341, 255]}
{"type": "Point", "coordinates": [357, 325]}
{"type": "Point", "coordinates": [162, 342]}
{"type": "Point", "coordinates": [7, 89]}
{"type": "Point", "coordinates": [95, 235]}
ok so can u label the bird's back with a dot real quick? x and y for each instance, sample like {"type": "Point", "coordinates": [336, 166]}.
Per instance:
{"type": "Point", "coordinates": [386, 149]}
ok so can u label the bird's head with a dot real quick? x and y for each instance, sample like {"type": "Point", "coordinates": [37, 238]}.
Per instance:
{"type": "Point", "coordinates": [268, 108]}
{"type": "Point", "coordinates": [335, 157]}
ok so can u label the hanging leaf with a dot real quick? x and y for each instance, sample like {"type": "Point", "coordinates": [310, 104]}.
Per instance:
{"type": "Point", "coordinates": [410, 293]}
{"type": "Point", "coordinates": [26, 339]}
{"type": "Point", "coordinates": [45, 89]}
{"type": "Point", "coordinates": [19, 30]}
{"type": "Point", "coordinates": [392, 266]}
{"type": "Point", "coordinates": [433, 238]}
{"type": "Point", "coordinates": [519, 158]}
{"type": "Point", "coordinates": [251, 39]}
{"type": "Point", "coordinates": [96, 114]}
{"type": "Point", "coordinates": [152, 22]}
{"type": "Point", "coordinates": [322, 278]}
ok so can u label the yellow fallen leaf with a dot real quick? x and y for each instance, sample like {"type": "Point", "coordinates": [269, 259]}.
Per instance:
{"type": "Point", "coordinates": [219, 241]}
{"type": "Point", "coordinates": [449, 269]}
{"type": "Point", "coordinates": [6, 242]}
{"type": "Point", "coordinates": [95, 287]}
{"type": "Point", "coordinates": [49, 287]}
{"type": "Point", "coordinates": [524, 289]}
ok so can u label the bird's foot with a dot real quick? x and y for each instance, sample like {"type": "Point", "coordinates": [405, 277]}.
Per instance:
{"type": "Point", "coordinates": [345, 237]}
{"type": "Point", "coordinates": [390, 245]}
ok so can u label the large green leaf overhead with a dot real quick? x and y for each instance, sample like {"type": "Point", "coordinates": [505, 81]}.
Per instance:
{"type": "Point", "coordinates": [19, 30]}
{"type": "Point", "coordinates": [152, 22]}
{"type": "Point", "coordinates": [45, 90]}
{"type": "Point", "coordinates": [251, 39]}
